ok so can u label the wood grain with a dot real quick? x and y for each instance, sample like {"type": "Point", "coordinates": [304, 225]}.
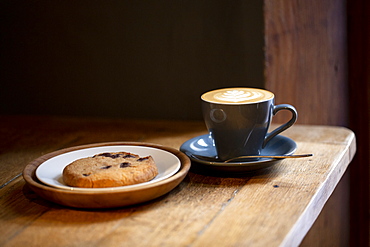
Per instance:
{"type": "Point", "coordinates": [306, 66]}
{"type": "Point", "coordinates": [271, 207]}
{"type": "Point", "coordinates": [305, 58]}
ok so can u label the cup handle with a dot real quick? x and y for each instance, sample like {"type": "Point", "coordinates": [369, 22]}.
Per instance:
{"type": "Point", "coordinates": [283, 127]}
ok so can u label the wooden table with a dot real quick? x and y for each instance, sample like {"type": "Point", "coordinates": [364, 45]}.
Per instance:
{"type": "Point", "coordinates": [272, 207]}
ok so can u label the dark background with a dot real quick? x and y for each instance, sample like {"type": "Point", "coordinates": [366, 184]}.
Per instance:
{"type": "Point", "coordinates": [127, 59]}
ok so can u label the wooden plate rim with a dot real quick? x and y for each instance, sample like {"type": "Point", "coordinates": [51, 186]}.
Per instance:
{"type": "Point", "coordinates": [30, 169]}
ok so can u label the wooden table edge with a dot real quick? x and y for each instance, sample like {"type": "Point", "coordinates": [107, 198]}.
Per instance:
{"type": "Point", "coordinates": [297, 234]}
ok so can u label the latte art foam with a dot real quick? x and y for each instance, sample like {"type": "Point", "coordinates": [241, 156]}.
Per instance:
{"type": "Point", "coordinates": [237, 96]}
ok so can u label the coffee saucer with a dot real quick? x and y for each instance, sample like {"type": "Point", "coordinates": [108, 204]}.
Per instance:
{"type": "Point", "coordinates": [202, 146]}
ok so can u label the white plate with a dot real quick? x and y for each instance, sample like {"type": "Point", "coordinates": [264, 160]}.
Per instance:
{"type": "Point", "coordinates": [50, 172]}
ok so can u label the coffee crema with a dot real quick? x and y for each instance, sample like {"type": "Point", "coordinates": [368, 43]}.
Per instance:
{"type": "Point", "coordinates": [237, 96]}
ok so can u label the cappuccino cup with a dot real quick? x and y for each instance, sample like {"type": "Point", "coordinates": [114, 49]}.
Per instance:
{"type": "Point", "coordinates": [238, 120]}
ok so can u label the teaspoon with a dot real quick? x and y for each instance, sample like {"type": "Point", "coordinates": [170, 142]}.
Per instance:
{"type": "Point", "coordinates": [205, 158]}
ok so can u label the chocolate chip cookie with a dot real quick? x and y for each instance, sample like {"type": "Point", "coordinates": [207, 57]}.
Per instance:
{"type": "Point", "coordinates": [110, 170]}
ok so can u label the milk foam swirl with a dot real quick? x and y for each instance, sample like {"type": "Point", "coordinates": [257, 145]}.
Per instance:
{"type": "Point", "coordinates": [237, 95]}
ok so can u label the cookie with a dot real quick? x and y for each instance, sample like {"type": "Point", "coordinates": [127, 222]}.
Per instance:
{"type": "Point", "coordinates": [110, 170]}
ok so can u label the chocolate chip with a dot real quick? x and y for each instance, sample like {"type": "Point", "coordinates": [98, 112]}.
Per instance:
{"type": "Point", "coordinates": [114, 156]}
{"type": "Point", "coordinates": [124, 164]}
{"type": "Point", "coordinates": [141, 159]}
{"type": "Point", "coordinates": [105, 167]}
{"type": "Point", "coordinates": [105, 155]}
{"type": "Point", "coordinates": [109, 155]}
{"type": "Point", "coordinates": [128, 156]}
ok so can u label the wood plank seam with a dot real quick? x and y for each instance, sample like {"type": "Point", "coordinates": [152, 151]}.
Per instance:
{"type": "Point", "coordinates": [11, 180]}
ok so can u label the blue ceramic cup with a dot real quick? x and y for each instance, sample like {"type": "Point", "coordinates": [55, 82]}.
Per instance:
{"type": "Point", "coordinates": [238, 120]}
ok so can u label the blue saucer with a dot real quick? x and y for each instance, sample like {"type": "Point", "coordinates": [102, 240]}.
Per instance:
{"type": "Point", "coordinates": [203, 146]}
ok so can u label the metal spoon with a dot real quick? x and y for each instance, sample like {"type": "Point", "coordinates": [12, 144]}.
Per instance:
{"type": "Point", "coordinates": [205, 158]}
